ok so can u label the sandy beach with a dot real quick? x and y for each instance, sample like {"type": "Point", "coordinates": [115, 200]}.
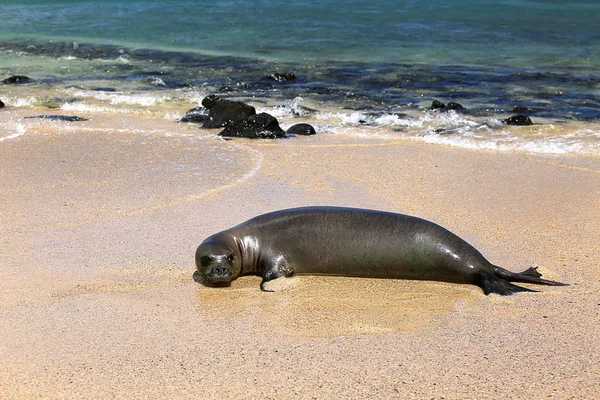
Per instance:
{"type": "Point", "coordinates": [100, 222]}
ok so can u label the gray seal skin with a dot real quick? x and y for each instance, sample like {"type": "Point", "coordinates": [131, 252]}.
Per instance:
{"type": "Point", "coordinates": [350, 242]}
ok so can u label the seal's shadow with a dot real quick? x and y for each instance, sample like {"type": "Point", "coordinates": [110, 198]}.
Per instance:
{"type": "Point", "coordinates": [325, 306]}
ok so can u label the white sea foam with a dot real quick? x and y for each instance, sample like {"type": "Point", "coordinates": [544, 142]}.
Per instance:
{"type": "Point", "coordinates": [122, 98]}
{"type": "Point", "coordinates": [123, 59]}
{"type": "Point", "coordinates": [428, 121]}
{"type": "Point", "coordinates": [83, 107]}
{"type": "Point", "coordinates": [454, 129]}
{"type": "Point", "coordinates": [156, 81]}
{"type": "Point", "coordinates": [21, 101]}
{"type": "Point", "coordinates": [172, 116]}
{"type": "Point", "coordinates": [136, 99]}
{"type": "Point", "coordinates": [18, 130]}
{"type": "Point", "coordinates": [491, 137]}
{"type": "Point", "coordinates": [361, 118]}
{"type": "Point", "coordinates": [11, 136]}
{"type": "Point", "coordinates": [556, 145]}
{"type": "Point", "coordinates": [194, 96]}
{"type": "Point", "coordinates": [294, 107]}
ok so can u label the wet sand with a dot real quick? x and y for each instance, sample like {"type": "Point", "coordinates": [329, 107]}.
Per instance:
{"type": "Point", "coordinates": [100, 224]}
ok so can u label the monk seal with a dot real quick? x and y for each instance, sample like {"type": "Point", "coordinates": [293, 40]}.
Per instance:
{"type": "Point", "coordinates": [350, 242]}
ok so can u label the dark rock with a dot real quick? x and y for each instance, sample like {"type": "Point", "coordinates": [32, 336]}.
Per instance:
{"type": "Point", "coordinates": [450, 131]}
{"type": "Point", "coordinates": [67, 118]}
{"type": "Point", "coordinates": [103, 89]}
{"type": "Point", "coordinates": [211, 100]}
{"type": "Point", "coordinates": [1, 104]}
{"type": "Point", "coordinates": [438, 105]}
{"type": "Point", "coordinates": [277, 77]}
{"type": "Point", "coordinates": [325, 90]}
{"type": "Point", "coordinates": [259, 126]}
{"type": "Point", "coordinates": [15, 79]}
{"type": "Point", "coordinates": [455, 106]}
{"type": "Point", "coordinates": [198, 114]}
{"type": "Point", "coordinates": [301, 129]}
{"type": "Point", "coordinates": [223, 112]}
{"type": "Point", "coordinates": [519, 120]}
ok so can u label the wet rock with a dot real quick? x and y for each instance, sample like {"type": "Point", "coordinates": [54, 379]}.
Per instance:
{"type": "Point", "coordinates": [198, 114]}
{"type": "Point", "coordinates": [277, 77]}
{"type": "Point", "coordinates": [16, 79]}
{"type": "Point", "coordinates": [455, 106]}
{"type": "Point", "coordinates": [450, 131]}
{"type": "Point", "coordinates": [259, 126]}
{"type": "Point", "coordinates": [1, 104]}
{"type": "Point", "coordinates": [223, 112]}
{"type": "Point", "coordinates": [438, 105]}
{"type": "Point", "coordinates": [301, 129]}
{"type": "Point", "coordinates": [67, 118]}
{"type": "Point", "coordinates": [103, 89]}
{"type": "Point", "coordinates": [518, 120]}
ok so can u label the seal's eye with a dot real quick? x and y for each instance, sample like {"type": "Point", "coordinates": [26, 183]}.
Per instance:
{"type": "Point", "coordinates": [205, 261]}
{"type": "Point", "coordinates": [230, 258]}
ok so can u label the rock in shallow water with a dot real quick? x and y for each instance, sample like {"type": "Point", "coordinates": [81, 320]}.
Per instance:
{"type": "Point", "coordinates": [301, 129]}
{"type": "Point", "coordinates": [259, 126]}
{"type": "Point", "coordinates": [15, 79]}
{"type": "Point", "coordinates": [67, 118]}
{"type": "Point", "coordinates": [198, 114]}
{"type": "Point", "coordinates": [438, 105]}
{"type": "Point", "coordinates": [277, 77]}
{"type": "Point", "coordinates": [223, 112]}
{"type": "Point", "coordinates": [518, 120]}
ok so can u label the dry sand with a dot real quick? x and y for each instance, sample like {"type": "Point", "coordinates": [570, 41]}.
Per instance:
{"type": "Point", "coordinates": [99, 227]}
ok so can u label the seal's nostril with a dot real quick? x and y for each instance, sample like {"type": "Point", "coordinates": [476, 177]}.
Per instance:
{"type": "Point", "coordinates": [220, 271]}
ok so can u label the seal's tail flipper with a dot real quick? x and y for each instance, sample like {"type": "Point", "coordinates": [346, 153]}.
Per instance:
{"type": "Point", "coordinates": [530, 275]}
{"type": "Point", "coordinates": [491, 283]}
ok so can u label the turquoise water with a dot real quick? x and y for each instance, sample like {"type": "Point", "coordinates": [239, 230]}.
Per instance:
{"type": "Point", "coordinates": [493, 33]}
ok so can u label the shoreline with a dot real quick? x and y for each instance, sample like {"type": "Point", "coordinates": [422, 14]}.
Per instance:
{"type": "Point", "coordinates": [101, 219]}
{"type": "Point", "coordinates": [121, 112]}
{"type": "Point", "coordinates": [97, 74]}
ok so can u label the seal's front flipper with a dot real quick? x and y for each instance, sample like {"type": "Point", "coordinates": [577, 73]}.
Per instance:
{"type": "Point", "coordinates": [263, 288]}
{"type": "Point", "coordinates": [530, 275]}
{"type": "Point", "coordinates": [492, 284]}
{"type": "Point", "coordinates": [268, 277]}
{"type": "Point", "coordinates": [279, 268]}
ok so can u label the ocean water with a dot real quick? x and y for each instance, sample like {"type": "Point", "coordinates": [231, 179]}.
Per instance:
{"type": "Point", "coordinates": [371, 67]}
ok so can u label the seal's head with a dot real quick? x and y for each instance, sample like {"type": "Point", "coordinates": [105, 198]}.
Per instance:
{"type": "Point", "coordinates": [217, 260]}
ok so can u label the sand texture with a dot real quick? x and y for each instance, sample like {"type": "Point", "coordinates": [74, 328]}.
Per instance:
{"type": "Point", "coordinates": [99, 228]}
